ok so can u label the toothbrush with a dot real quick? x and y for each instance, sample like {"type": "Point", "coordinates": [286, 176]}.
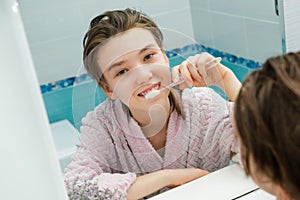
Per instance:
{"type": "Point", "coordinates": [154, 93]}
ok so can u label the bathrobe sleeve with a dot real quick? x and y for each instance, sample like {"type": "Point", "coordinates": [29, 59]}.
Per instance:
{"type": "Point", "coordinates": [221, 112]}
{"type": "Point", "coordinates": [91, 174]}
{"type": "Point", "coordinates": [210, 116]}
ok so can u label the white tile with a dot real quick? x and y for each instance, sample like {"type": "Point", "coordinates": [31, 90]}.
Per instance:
{"type": "Point", "coordinates": [154, 7]}
{"type": "Point", "coordinates": [261, 10]}
{"type": "Point", "coordinates": [58, 59]}
{"type": "Point", "coordinates": [177, 26]}
{"type": "Point", "coordinates": [55, 28]}
{"type": "Point", "coordinates": [92, 8]}
{"type": "Point", "coordinates": [232, 7]}
{"type": "Point", "coordinates": [48, 20]}
{"type": "Point", "coordinates": [229, 34]}
{"type": "Point", "coordinates": [202, 26]}
{"type": "Point", "coordinates": [264, 39]}
{"type": "Point", "coordinates": [201, 5]}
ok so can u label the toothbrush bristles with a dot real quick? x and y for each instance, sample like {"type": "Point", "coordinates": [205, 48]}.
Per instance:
{"type": "Point", "coordinates": [152, 94]}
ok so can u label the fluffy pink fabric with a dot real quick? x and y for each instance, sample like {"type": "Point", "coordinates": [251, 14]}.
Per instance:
{"type": "Point", "coordinates": [113, 143]}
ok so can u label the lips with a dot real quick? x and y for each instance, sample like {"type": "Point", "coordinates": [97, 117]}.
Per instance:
{"type": "Point", "coordinates": [155, 86]}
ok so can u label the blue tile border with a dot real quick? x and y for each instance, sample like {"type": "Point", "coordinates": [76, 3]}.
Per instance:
{"type": "Point", "coordinates": [186, 50]}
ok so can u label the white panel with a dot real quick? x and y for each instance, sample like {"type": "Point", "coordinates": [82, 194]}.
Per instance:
{"type": "Point", "coordinates": [66, 138]}
{"type": "Point", "coordinates": [29, 168]}
{"type": "Point", "coordinates": [291, 9]}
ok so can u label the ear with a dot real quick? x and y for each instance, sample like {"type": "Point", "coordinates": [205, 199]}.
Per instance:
{"type": "Point", "coordinates": [108, 91]}
{"type": "Point", "coordinates": [281, 194]}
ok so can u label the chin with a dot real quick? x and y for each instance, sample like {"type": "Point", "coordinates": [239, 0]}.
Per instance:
{"type": "Point", "coordinates": [268, 186]}
{"type": "Point", "coordinates": [269, 190]}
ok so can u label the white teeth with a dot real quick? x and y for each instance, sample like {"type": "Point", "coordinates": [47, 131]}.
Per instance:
{"type": "Point", "coordinates": [154, 88]}
{"type": "Point", "coordinates": [152, 94]}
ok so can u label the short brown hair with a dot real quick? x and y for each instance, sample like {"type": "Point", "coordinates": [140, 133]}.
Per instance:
{"type": "Point", "coordinates": [109, 24]}
{"type": "Point", "coordinates": [267, 114]}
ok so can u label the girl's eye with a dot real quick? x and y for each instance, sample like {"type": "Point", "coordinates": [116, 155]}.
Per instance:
{"type": "Point", "coordinates": [123, 71]}
{"type": "Point", "coordinates": [147, 57]}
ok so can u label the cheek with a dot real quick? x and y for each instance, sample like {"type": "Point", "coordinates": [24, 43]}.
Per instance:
{"type": "Point", "coordinates": [262, 180]}
{"type": "Point", "coordinates": [266, 185]}
{"type": "Point", "coordinates": [124, 89]}
{"type": "Point", "coordinates": [163, 72]}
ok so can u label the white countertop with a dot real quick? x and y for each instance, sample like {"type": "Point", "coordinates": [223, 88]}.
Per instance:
{"type": "Point", "coordinates": [228, 183]}
{"type": "Point", "coordinates": [65, 137]}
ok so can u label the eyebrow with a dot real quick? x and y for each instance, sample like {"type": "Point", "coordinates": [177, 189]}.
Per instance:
{"type": "Point", "coordinates": [123, 61]}
{"type": "Point", "coordinates": [115, 65]}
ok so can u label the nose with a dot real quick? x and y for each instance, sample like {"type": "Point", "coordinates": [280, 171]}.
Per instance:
{"type": "Point", "coordinates": [143, 74]}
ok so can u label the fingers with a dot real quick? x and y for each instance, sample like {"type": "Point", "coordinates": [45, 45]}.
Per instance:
{"type": "Point", "coordinates": [205, 62]}
{"type": "Point", "coordinates": [192, 68]}
{"type": "Point", "coordinates": [185, 73]}
{"type": "Point", "coordinates": [176, 77]}
{"type": "Point", "coordinates": [199, 70]}
{"type": "Point", "coordinates": [189, 73]}
{"type": "Point", "coordinates": [175, 73]}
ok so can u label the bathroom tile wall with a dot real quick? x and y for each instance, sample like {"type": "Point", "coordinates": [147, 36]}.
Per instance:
{"type": "Point", "coordinates": [73, 97]}
{"type": "Point", "coordinates": [55, 29]}
{"type": "Point", "coordinates": [249, 29]}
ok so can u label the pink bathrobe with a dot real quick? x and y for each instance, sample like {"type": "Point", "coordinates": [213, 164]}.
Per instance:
{"type": "Point", "coordinates": [114, 151]}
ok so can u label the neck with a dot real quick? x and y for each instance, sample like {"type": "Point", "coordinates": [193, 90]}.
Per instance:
{"type": "Point", "coordinates": [154, 120]}
{"type": "Point", "coordinates": [156, 130]}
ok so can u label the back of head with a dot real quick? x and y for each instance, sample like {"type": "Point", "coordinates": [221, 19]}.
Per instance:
{"type": "Point", "coordinates": [267, 114]}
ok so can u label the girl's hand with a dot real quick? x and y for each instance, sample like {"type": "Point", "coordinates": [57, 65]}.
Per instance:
{"type": "Point", "coordinates": [199, 70]}
{"type": "Point", "coordinates": [154, 181]}
{"type": "Point", "coordinates": [182, 176]}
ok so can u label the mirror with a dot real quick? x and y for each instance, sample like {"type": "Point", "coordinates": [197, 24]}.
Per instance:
{"type": "Point", "coordinates": [242, 35]}
{"type": "Point", "coordinates": [235, 30]}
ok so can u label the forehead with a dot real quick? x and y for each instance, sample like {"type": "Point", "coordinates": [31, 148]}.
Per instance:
{"type": "Point", "coordinates": [124, 43]}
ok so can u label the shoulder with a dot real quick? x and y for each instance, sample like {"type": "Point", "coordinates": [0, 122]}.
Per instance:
{"type": "Point", "coordinates": [200, 95]}
{"type": "Point", "coordinates": [201, 100]}
{"type": "Point", "coordinates": [98, 124]}
{"type": "Point", "coordinates": [102, 114]}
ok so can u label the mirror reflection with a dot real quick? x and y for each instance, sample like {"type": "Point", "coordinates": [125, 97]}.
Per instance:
{"type": "Point", "coordinates": [99, 84]}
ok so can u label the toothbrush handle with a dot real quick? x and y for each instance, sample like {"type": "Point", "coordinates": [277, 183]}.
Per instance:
{"type": "Point", "coordinates": [213, 63]}
{"type": "Point", "coordinates": [209, 65]}
{"type": "Point", "coordinates": [181, 80]}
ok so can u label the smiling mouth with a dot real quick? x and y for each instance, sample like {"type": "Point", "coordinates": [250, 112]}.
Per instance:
{"type": "Point", "coordinates": [146, 91]}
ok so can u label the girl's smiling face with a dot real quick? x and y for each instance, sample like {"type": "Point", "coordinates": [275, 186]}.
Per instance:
{"type": "Point", "coordinates": [133, 64]}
